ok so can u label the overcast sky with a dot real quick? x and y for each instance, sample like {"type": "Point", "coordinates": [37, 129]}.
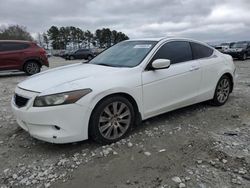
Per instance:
{"type": "Point", "coordinates": [207, 20]}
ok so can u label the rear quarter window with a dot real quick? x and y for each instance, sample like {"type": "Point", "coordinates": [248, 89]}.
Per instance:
{"type": "Point", "coordinates": [12, 46]}
{"type": "Point", "coordinates": [201, 51]}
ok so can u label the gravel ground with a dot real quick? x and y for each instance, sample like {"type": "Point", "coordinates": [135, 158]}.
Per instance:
{"type": "Point", "coordinates": [197, 146]}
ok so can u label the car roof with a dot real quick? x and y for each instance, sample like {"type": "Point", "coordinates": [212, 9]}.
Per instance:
{"type": "Point", "coordinates": [165, 39]}
{"type": "Point", "coordinates": [243, 42]}
{"type": "Point", "coordinates": [147, 39]}
{"type": "Point", "coordinates": [17, 41]}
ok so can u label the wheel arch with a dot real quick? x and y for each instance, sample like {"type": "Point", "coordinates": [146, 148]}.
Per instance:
{"type": "Point", "coordinates": [129, 97]}
{"type": "Point", "coordinates": [31, 60]}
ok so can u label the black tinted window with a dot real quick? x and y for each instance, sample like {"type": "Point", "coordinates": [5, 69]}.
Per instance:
{"type": "Point", "coordinates": [11, 46]}
{"type": "Point", "coordinates": [200, 51]}
{"type": "Point", "coordinates": [176, 52]}
{"type": "Point", "coordinates": [80, 51]}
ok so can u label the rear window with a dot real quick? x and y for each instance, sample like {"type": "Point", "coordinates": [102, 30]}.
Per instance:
{"type": "Point", "coordinates": [12, 46]}
{"type": "Point", "coordinates": [200, 51]}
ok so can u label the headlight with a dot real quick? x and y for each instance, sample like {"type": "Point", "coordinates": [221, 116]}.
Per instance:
{"type": "Point", "coordinates": [60, 98]}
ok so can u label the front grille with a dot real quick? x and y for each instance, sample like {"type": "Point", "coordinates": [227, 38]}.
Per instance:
{"type": "Point", "coordinates": [20, 101]}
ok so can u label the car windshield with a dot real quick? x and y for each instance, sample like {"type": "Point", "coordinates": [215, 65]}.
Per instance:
{"type": "Point", "coordinates": [124, 54]}
{"type": "Point", "coordinates": [224, 44]}
{"type": "Point", "coordinates": [239, 45]}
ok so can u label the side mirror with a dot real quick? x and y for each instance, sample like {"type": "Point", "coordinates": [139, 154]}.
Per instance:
{"type": "Point", "coordinates": [161, 63]}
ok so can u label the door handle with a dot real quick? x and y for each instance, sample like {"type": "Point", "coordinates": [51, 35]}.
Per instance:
{"type": "Point", "coordinates": [194, 68]}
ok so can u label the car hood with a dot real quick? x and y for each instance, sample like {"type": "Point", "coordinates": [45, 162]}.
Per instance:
{"type": "Point", "coordinates": [65, 75]}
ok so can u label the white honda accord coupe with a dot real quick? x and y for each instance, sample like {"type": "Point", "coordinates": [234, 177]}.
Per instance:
{"type": "Point", "coordinates": [129, 82]}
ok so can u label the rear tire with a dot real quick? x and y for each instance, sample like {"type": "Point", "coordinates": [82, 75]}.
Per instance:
{"type": "Point", "coordinates": [222, 91]}
{"type": "Point", "coordinates": [32, 67]}
{"type": "Point", "coordinates": [89, 57]}
{"type": "Point", "coordinates": [111, 120]}
{"type": "Point", "coordinates": [244, 57]}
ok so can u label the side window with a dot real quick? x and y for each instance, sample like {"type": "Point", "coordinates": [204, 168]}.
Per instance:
{"type": "Point", "coordinates": [80, 51]}
{"type": "Point", "coordinates": [85, 51]}
{"type": "Point", "coordinates": [201, 51]}
{"type": "Point", "coordinates": [23, 46]}
{"type": "Point", "coordinates": [176, 52]}
{"type": "Point", "coordinates": [11, 46]}
{"type": "Point", "coordinates": [5, 46]}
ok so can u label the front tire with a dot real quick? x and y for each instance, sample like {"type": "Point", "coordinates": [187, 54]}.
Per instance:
{"type": "Point", "coordinates": [222, 91]}
{"type": "Point", "coordinates": [32, 67]}
{"type": "Point", "coordinates": [111, 120]}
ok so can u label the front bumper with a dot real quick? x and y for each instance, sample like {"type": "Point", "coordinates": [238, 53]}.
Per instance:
{"type": "Point", "coordinates": [235, 54]}
{"type": "Point", "coordinates": [56, 124]}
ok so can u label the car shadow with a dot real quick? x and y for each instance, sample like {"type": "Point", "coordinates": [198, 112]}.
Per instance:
{"type": "Point", "coordinates": [67, 149]}
{"type": "Point", "coordinates": [178, 113]}
{"type": "Point", "coordinates": [4, 74]}
{"type": "Point", "coordinates": [35, 146]}
{"type": "Point", "coordinates": [70, 148]}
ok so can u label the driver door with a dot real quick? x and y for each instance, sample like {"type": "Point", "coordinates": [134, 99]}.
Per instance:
{"type": "Point", "coordinates": [173, 87]}
{"type": "Point", "coordinates": [78, 54]}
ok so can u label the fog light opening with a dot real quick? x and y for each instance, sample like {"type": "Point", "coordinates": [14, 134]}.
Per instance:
{"type": "Point", "coordinates": [57, 128]}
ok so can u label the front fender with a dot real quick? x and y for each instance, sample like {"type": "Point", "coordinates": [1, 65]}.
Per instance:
{"type": "Point", "coordinates": [135, 93]}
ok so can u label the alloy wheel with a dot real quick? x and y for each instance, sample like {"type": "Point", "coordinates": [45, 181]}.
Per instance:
{"type": "Point", "coordinates": [32, 68]}
{"type": "Point", "coordinates": [89, 57]}
{"type": "Point", "coordinates": [244, 56]}
{"type": "Point", "coordinates": [223, 90]}
{"type": "Point", "coordinates": [114, 120]}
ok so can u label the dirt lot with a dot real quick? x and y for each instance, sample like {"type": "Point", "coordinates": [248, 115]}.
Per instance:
{"type": "Point", "coordinates": [197, 146]}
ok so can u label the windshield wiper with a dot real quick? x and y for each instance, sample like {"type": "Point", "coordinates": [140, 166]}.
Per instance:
{"type": "Point", "coordinates": [104, 64]}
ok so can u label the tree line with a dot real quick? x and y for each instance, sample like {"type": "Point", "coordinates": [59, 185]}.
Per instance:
{"type": "Point", "coordinates": [14, 32]}
{"type": "Point", "coordinates": [61, 37]}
